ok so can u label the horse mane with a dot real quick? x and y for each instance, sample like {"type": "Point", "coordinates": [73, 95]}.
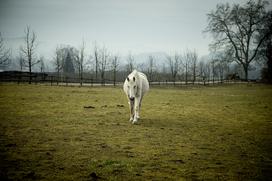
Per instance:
{"type": "Point", "coordinates": [134, 71]}
{"type": "Point", "coordinates": [135, 74]}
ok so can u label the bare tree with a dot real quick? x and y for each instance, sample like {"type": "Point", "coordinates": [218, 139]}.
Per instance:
{"type": "Point", "coordinates": [70, 56]}
{"type": "Point", "coordinates": [212, 63]}
{"type": "Point", "coordinates": [151, 67]}
{"type": "Point", "coordinates": [141, 67]}
{"type": "Point", "coordinates": [185, 61]}
{"type": "Point", "coordinates": [207, 72]}
{"type": "Point", "coordinates": [221, 67]}
{"type": "Point", "coordinates": [114, 67]}
{"type": "Point", "coordinates": [222, 61]}
{"type": "Point", "coordinates": [236, 28]}
{"type": "Point", "coordinates": [194, 58]}
{"type": "Point", "coordinates": [28, 50]}
{"type": "Point", "coordinates": [21, 61]}
{"type": "Point", "coordinates": [80, 61]}
{"type": "Point", "coordinates": [164, 69]}
{"type": "Point", "coordinates": [190, 59]}
{"type": "Point", "coordinates": [4, 53]}
{"type": "Point", "coordinates": [58, 62]}
{"type": "Point", "coordinates": [266, 49]}
{"type": "Point", "coordinates": [42, 65]}
{"type": "Point", "coordinates": [82, 58]}
{"type": "Point", "coordinates": [96, 59]}
{"type": "Point", "coordinates": [173, 63]}
{"type": "Point", "coordinates": [201, 68]}
{"type": "Point", "coordinates": [103, 63]}
{"type": "Point", "coordinates": [130, 63]}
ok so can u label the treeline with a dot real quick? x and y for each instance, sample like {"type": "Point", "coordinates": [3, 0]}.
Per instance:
{"type": "Point", "coordinates": [241, 33]}
{"type": "Point", "coordinates": [101, 65]}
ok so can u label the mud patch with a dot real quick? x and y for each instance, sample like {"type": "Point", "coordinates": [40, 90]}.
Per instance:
{"type": "Point", "coordinates": [89, 107]}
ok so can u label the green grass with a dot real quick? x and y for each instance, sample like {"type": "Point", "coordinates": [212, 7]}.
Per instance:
{"type": "Point", "coordinates": [205, 133]}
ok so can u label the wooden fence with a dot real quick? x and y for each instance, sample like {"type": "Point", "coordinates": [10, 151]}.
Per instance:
{"type": "Point", "coordinates": [54, 80]}
{"type": "Point", "coordinates": [43, 78]}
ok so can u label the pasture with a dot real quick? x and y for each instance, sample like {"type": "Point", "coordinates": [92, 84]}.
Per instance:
{"type": "Point", "coordinates": [83, 133]}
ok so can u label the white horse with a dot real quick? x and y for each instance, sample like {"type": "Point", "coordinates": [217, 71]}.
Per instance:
{"type": "Point", "coordinates": [135, 86]}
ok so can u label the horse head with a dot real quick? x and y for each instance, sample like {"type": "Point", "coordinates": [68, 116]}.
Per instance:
{"type": "Point", "coordinates": [132, 87]}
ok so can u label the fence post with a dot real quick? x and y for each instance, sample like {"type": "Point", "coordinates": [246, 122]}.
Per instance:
{"type": "Point", "coordinates": [36, 80]}
{"type": "Point", "coordinates": [19, 79]}
{"type": "Point", "coordinates": [51, 80]}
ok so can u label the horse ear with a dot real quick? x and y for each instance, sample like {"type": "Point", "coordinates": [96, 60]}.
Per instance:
{"type": "Point", "coordinates": [127, 79]}
{"type": "Point", "coordinates": [134, 79]}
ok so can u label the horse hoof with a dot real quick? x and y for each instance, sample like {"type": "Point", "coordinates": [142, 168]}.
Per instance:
{"type": "Point", "coordinates": [134, 121]}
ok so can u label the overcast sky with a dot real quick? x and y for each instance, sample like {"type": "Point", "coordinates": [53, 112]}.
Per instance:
{"type": "Point", "coordinates": [123, 26]}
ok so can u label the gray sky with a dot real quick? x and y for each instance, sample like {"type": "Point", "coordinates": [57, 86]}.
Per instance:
{"type": "Point", "coordinates": [123, 26]}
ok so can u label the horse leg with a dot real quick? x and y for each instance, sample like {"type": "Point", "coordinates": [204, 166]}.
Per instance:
{"type": "Point", "coordinates": [136, 110]}
{"type": "Point", "coordinates": [131, 105]}
{"type": "Point", "coordinates": [140, 104]}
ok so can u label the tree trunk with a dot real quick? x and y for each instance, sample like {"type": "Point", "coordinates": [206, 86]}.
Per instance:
{"type": "Point", "coordinates": [245, 66]}
{"type": "Point", "coordinates": [194, 74]}
{"type": "Point", "coordinates": [58, 77]}
{"type": "Point", "coordinates": [81, 78]}
{"type": "Point", "coordinates": [102, 78]}
{"type": "Point", "coordinates": [96, 69]}
{"type": "Point", "coordinates": [186, 73]}
{"type": "Point", "coordinates": [30, 76]}
{"type": "Point", "coordinates": [269, 61]}
{"type": "Point", "coordinates": [114, 77]}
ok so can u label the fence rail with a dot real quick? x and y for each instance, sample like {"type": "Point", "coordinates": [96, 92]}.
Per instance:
{"type": "Point", "coordinates": [54, 80]}
{"type": "Point", "coordinates": [38, 78]}
{"type": "Point", "coordinates": [202, 82]}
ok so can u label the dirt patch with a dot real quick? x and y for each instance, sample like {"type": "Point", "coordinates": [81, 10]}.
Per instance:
{"type": "Point", "coordinates": [120, 105]}
{"type": "Point", "coordinates": [89, 107]}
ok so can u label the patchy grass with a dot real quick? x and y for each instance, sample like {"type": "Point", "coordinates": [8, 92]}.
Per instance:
{"type": "Point", "coordinates": [205, 133]}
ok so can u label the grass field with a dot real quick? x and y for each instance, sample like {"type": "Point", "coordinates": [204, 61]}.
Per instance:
{"type": "Point", "coordinates": [193, 133]}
